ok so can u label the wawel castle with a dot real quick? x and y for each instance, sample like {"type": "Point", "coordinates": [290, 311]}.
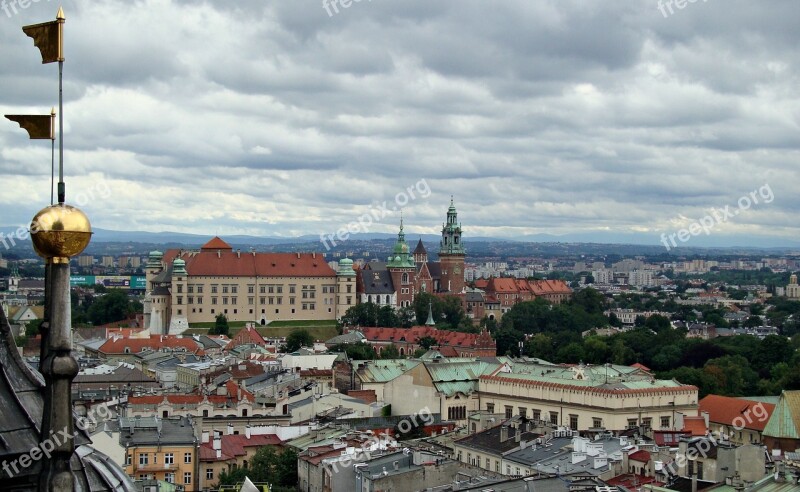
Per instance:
{"type": "Point", "coordinates": [196, 286]}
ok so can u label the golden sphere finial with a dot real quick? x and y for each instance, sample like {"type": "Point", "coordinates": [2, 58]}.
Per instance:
{"type": "Point", "coordinates": [59, 232]}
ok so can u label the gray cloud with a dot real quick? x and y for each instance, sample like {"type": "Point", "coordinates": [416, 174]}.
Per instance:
{"type": "Point", "coordinates": [539, 116]}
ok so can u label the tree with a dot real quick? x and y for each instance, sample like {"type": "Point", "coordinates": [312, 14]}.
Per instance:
{"type": "Point", "coordinates": [115, 305]}
{"type": "Point", "coordinates": [753, 322]}
{"type": "Point", "coordinates": [220, 326]}
{"type": "Point", "coordinates": [427, 342]}
{"type": "Point", "coordinates": [390, 352]}
{"type": "Point", "coordinates": [356, 351]}
{"type": "Point", "coordinates": [540, 346]}
{"type": "Point", "coordinates": [298, 338]}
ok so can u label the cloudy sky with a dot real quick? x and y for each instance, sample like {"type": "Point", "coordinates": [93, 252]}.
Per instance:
{"type": "Point", "coordinates": [285, 117]}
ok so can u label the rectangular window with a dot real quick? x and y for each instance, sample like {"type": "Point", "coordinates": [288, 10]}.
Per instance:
{"type": "Point", "coordinates": [509, 411]}
{"type": "Point", "coordinates": [597, 423]}
{"type": "Point", "coordinates": [191, 289]}
{"type": "Point", "coordinates": [272, 300]}
{"type": "Point", "coordinates": [224, 300]}
{"type": "Point", "coordinates": [554, 418]}
{"type": "Point", "coordinates": [199, 289]}
{"type": "Point", "coordinates": [180, 288]}
{"type": "Point", "coordinates": [214, 288]}
{"type": "Point", "coordinates": [573, 422]}
{"type": "Point", "coordinates": [632, 423]}
{"type": "Point", "coordinates": [523, 412]}
{"type": "Point", "coordinates": [169, 458]}
{"type": "Point", "coordinates": [187, 478]}
{"type": "Point", "coordinates": [291, 289]}
{"type": "Point", "coordinates": [263, 300]}
{"type": "Point", "coordinates": [291, 300]}
{"type": "Point", "coordinates": [187, 457]}
{"type": "Point", "coordinates": [536, 414]}
{"type": "Point", "coordinates": [224, 289]}
{"type": "Point", "coordinates": [180, 299]}
{"type": "Point", "coordinates": [190, 300]}
{"type": "Point", "coordinates": [647, 422]}
{"type": "Point", "coordinates": [213, 300]}
{"type": "Point", "coordinates": [143, 458]}
{"type": "Point", "coordinates": [234, 300]}
{"type": "Point", "coordinates": [279, 299]}
{"type": "Point", "coordinates": [312, 306]}
{"type": "Point", "coordinates": [169, 477]}
{"type": "Point", "coordinates": [271, 289]}
{"type": "Point", "coordinates": [251, 289]}
{"type": "Point", "coordinates": [665, 422]}
{"type": "Point", "coordinates": [209, 474]}
{"type": "Point", "coordinates": [490, 407]}
{"type": "Point", "coordinates": [234, 289]}
{"type": "Point", "coordinates": [251, 301]}
{"type": "Point", "coordinates": [262, 290]}
{"type": "Point", "coordinates": [200, 300]}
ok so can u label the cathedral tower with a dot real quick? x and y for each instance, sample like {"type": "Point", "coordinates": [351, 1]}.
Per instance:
{"type": "Point", "coordinates": [451, 254]}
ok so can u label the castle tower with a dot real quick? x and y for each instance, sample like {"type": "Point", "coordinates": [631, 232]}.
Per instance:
{"type": "Point", "coordinates": [402, 269]}
{"type": "Point", "coordinates": [151, 269]}
{"type": "Point", "coordinates": [178, 322]}
{"type": "Point", "coordinates": [345, 287]}
{"type": "Point", "coordinates": [452, 253]}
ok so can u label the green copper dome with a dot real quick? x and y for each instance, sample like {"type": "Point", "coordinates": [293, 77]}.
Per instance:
{"type": "Point", "coordinates": [400, 254]}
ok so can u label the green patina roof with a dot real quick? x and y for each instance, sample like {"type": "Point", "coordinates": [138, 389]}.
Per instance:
{"type": "Point", "coordinates": [785, 419]}
{"type": "Point", "coordinates": [381, 371]}
{"type": "Point", "coordinates": [606, 377]}
{"type": "Point", "coordinates": [400, 254]}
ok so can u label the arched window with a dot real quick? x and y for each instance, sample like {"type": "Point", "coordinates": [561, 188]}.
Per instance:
{"type": "Point", "coordinates": [405, 278]}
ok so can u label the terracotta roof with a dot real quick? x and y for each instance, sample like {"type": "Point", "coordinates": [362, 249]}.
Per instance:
{"type": "Point", "coordinates": [736, 412]}
{"type": "Point", "coordinates": [640, 455]}
{"type": "Point", "coordinates": [154, 342]}
{"type": "Point", "coordinates": [232, 393]}
{"type": "Point", "coordinates": [219, 263]}
{"type": "Point", "coordinates": [235, 445]}
{"type": "Point", "coordinates": [216, 243]}
{"type": "Point", "coordinates": [411, 335]}
{"type": "Point", "coordinates": [246, 336]}
{"type": "Point", "coordinates": [641, 366]}
{"type": "Point", "coordinates": [695, 425]}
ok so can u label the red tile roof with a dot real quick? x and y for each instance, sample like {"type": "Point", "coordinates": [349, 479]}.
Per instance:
{"type": "Point", "coordinates": [246, 336]}
{"type": "Point", "coordinates": [641, 366]}
{"type": "Point", "coordinates": [411, 335]}
{"type": "Point", "coordinates": [216, 243]}
{"type": "Point", "coordinates": [235, 445]}
{"type": "Point", "coordinates": [737, 412]}
{"type": "Point", "coordinates": [154, 342]}
{"type": "Point", "coordinates": [251, 264]}
{"type": "Point", "coordinates": [231, 394]}
{"type": "Point", "coordinates": [695, 425]}
{"type": "Point", "coordinates": [640, 455]}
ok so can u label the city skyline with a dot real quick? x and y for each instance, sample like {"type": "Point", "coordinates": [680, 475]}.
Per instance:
{"type": "Point", "coordinates": [540, 118]}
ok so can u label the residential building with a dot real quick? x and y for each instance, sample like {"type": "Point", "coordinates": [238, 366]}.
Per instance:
{"type": "Point", "coordinates": [161, 449]}
{"type": "Point", "coordinates": [737, 420]}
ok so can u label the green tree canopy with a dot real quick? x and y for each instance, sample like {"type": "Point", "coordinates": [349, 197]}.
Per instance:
{"type": "Point", "coordinates": [298, 338]}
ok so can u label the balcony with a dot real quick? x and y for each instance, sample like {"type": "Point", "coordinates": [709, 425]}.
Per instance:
{"type": "Point", "coordinates": [154, 467]}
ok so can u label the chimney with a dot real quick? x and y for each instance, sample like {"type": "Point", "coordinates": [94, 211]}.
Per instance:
{"type": "Point", "coordinates": [694, 482]}
{"type": "Point", "coordinates": [247, 431]}
{"type": "Point", "coordinates": [205, 437]}
{"type": "Point", "coordinates": [230, 429]}
{"type": "Point", "coordinates": [518, 434]}
{"type": "Point", "coordinates": [217, 444]}
{"type": "Point", "coordinates": [504, 433]}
